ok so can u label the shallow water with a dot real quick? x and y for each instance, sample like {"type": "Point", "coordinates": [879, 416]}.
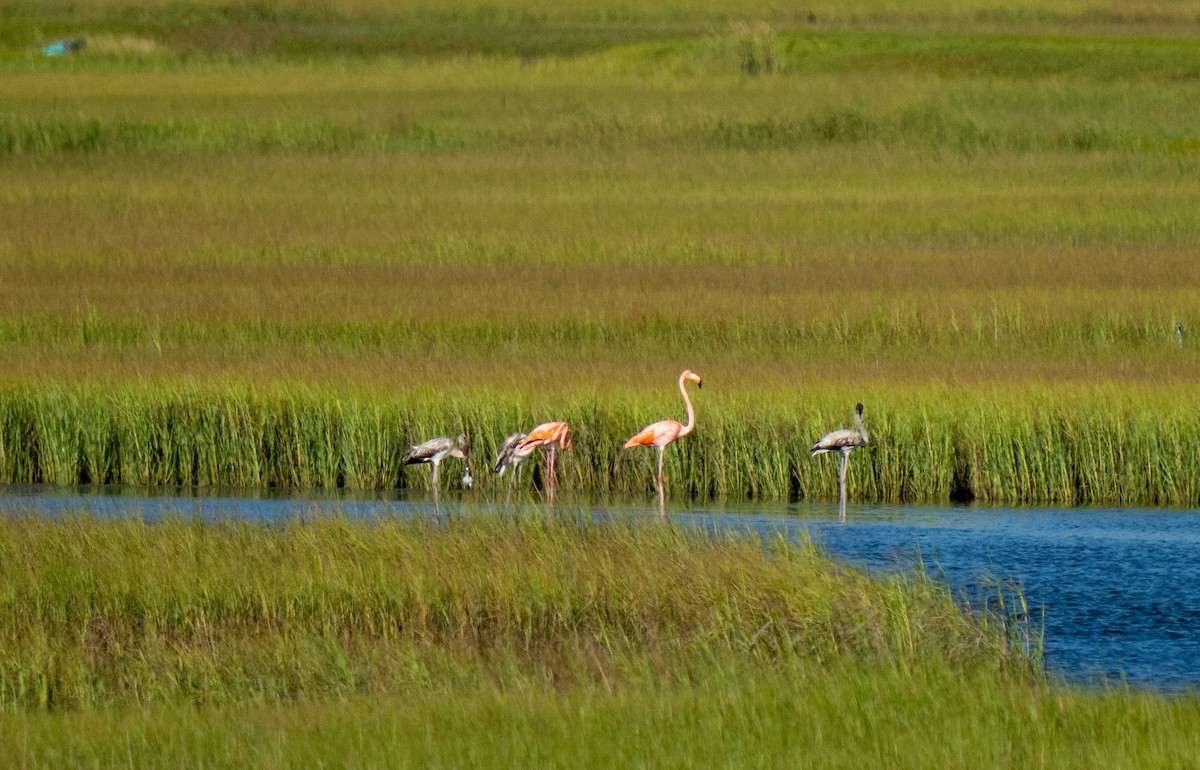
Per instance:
{"type": "Point", "coordinates": [1119, 588]}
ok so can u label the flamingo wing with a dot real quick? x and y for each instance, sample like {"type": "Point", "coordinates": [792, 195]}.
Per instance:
{"type": "Point", "coordinates": [423, 453]}
{"type": "Point", "coordinates": [546, 433]}
{"type": "Point", "coordinates": [658, 434]}
{"type": "Point", "coordinates": [837, 441]}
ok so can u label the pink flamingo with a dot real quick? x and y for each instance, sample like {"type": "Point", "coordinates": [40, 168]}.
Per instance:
{"type": "Point", "coordinates": [664, 432]}
{"type": "Point", "coordinates": [556, 435]}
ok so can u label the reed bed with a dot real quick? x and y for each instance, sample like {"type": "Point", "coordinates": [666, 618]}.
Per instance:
{"type": "Point", "coordinates": [111, 612]}
{"type": "Point", "coordinates": [1064, 446]}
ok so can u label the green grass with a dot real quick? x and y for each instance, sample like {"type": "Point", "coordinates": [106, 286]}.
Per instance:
{"type": "Point", "coordinates": [1066, 445]}
{"type": "Point", "coordinates": [516, 642]}
{"type": "Point", "coordinates": [841, 716]}
{"type": "Point", "coordinates": [279, 269]}
{"type": "Point", "coordinates": [272, 243]}
{"type": "Point", "coordinates": [323, 29]}
{"type": "Point", "coordinates": [119, 613]}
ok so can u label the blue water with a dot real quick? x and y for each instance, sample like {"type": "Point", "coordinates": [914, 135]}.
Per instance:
{"type": "Point", "coordinates": [1117, 590]}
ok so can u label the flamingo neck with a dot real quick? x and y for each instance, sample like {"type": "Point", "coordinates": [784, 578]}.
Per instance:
{"type": "Point", "coordinates": [691, 412]}
{"type": "Point", "coordinates": [862, 429]}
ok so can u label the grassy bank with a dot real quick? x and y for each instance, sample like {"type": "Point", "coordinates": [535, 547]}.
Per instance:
{"type": "Point", "coordinates": [116, 613]}
{"type": "Point", "coordinates": [513, 643]}
{"type": "Point", "coordinates": [1065, 445]}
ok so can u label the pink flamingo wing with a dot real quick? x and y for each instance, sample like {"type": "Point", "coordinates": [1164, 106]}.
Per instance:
{"type": "Point", "coordinates": [659, 434]}
{"type": "Point", "coordinates": [546, 433]}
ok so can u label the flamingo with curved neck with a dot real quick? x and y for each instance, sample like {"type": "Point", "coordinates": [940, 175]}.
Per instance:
{"type": "Point", "coordinates": [664, 432]}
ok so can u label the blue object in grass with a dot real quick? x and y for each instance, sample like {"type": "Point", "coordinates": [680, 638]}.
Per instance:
{"type": "Point", "coordinates": [63, 47]}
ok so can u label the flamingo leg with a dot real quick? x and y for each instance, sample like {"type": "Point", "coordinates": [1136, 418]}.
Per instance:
{"type": "Point", "coordinates": [842, 483]}
{"type": "Point", "coordinates": [660, 463]}
{"type": "Point", "coordinates": [553, 478]}
{"type": "Point", "coordinates": [435, 471]}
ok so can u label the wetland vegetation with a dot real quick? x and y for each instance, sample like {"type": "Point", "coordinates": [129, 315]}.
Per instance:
{"type": "Point", "coordinates": [985, 233]}
{"type": "Point", "coordinates": [272, 243]}
{"type": "Point", "coordinates": [526, 638]}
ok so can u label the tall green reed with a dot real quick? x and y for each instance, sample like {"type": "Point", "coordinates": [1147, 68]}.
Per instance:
{"type": "Point", "coordinates": [1065, 446]}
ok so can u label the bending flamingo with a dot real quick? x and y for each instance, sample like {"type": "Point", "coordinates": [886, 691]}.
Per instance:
{"type": "Point", "coordinates": [556, 435]}
{"type": "Point", "coordinates": [844, 441]}
{"type": "Point", "coordinates": [434, 451]}
{"type": "Point", "coordinates": [664, 432]}
{"type": "Point", "coordinates": [511, 455]}
{"type": "Point", "coordinates": [508, 456]}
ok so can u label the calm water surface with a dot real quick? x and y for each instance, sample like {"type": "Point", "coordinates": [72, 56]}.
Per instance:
{"type": "Point", "coordinates": [1119, 588]}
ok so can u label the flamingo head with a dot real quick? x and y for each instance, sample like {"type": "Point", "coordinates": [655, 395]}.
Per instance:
{"type": "Point", "coordinates": [565, 440]}
{"type": "Point", "coordinates": [858, 409]}
{"type": "Point", "coordinates": [688, 374]}
{"type": "Point", "coordinates": [461, 441]}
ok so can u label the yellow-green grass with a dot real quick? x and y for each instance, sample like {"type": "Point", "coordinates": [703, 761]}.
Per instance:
{"type": "Point", "coordinates": [834, 716]}
{"type": "Point", "coordinates": [308, 29]}
{"type": "Point", "coordinates": [519, 642]}
{"type": "Point", "coordinates": [936, 223]}
{"type": "Point", "coordinates": [222, 268]}
{"type": "Point", "coordinates": [98, 613]}
{"type": "Point", "coordinates": [853, 9]}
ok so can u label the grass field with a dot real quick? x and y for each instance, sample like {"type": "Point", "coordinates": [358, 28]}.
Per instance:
{"type": "Point", "coordinates": [839, 717]}
{"type": "Point", "coordinates": [522, 641]}
{"type": "Point", "coordinates": [272, 243]}
{"type": "Point", "coordinates": [117, 613]}
{"type": "Point", "coordinates": [943, 210]}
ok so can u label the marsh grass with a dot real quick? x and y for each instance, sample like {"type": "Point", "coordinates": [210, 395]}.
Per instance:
{"type": "Point", "coordinates": [127, 612]}
{"type": "Point", "coordinates": [272, 243]}
{"type": "Point", "coordinates": [321, 29]}
{"type": "Point", "coordinates": [838, 715]}
{"type": "Point", "coordinates": [1066, 445]}
{"type": "Point", "coordinates": [518, 640]}
{"type": "Point", "coordinates": [276, 272]}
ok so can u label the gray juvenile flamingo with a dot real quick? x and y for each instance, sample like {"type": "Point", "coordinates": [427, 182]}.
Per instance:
{"type": "Point", "coordinates": [511, 455]}
{"type": "Point", "coordinates": [434, 451]}
{"type": "Point", "coordinates": [844, 441]}
{"type": "Point", "coordinates": [508, 456]}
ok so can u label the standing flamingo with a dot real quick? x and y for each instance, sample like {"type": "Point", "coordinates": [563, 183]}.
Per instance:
{"type": "Point", "coordinates": [844, 441]}
{"type": "Point", "coordinates": [556, 435]}
{"type": "Point", "coordinates": [434, 451]}
{"type": "Point", "coordinates": [664, 432]}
